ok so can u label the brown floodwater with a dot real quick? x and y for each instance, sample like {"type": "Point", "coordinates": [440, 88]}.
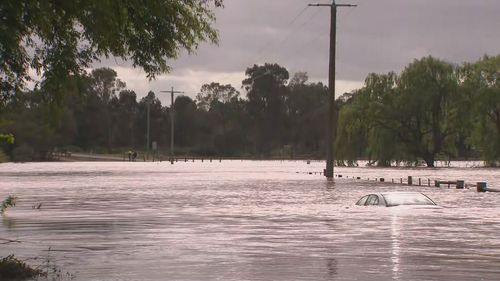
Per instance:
{"type": "Point", "coordinates": [247, 220]}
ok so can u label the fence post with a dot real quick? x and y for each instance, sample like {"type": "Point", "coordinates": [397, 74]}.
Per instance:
{"type": "Point", "coordinates": [482, 187]}
{"type": "Point", "coordinates": [460, 184]}
{"type": "Point", "coordinates": [410, 180]}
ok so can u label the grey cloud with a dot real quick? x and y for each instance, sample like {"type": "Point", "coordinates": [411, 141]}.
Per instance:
{"type": "Point", "coordinates": [377, 36]}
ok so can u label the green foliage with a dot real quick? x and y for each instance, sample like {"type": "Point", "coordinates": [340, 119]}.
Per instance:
{"type": "Point", "coordinates": [59, 39]}
{"type": "Point", "coordinates": [7, 138]}
{"type": "Point", "coordinates": [422, 113]}
{"type": "Point", "coordinates": [12, 268]}
{"type": "Point", "coordinates": [482, 84]}
{"type": "Point", "coordinates": [266, 93]}
{"type": "Point", "coordinates": [351, 141]}
{"type": "Point", "coordinates": [8, 202]}
{"type": "Point", "coordinates": [433, 109]}
{"type": "Point", "coordinates": [214, 93]}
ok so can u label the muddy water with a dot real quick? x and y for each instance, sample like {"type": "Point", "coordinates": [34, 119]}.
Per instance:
{"type": "Point", "coordinates": [246, 221]}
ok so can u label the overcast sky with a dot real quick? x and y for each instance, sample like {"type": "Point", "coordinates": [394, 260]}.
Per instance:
{"type": "Point", "coordinates": [377, 36]}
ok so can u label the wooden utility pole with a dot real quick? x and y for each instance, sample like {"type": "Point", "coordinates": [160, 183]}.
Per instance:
{"type": "Point", "coordinates": [328, 172]}
{"type": "Point", "coordinates": [172, 92]}
{"type": "Point", "coordinates": [147, 128]}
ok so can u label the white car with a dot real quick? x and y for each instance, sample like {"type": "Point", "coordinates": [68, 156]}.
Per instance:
{"type": "Point", "coordinates": [391, 199]}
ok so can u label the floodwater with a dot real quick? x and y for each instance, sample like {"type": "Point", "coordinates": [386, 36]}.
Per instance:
{"type": "Point", "coordinates": [246, 220]}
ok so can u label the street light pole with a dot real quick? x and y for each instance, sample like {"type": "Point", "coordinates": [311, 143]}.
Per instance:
{"type": "Point", "coordinates": [328, 172]}
{"type": "Point", "coordinates": [172, 92]}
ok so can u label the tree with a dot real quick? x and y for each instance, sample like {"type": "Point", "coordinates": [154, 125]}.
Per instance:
{"type": "Point", "coordinates": [416, 115]}
{"type": "Point", "coordinates": [352, 130]}
{"type": "Point", "coordinates": [95, 108]}
{"type": "Point", "coordinates": [306, 108]}
{"type": "Point", "coordinates": [267, 93]}
{"type": "Point", "coordinates": [186, 121]}
{"type": "Point", "coordinates": [223, 108]}
{"type": "Point", "coordinates": [59, 39]}
{"type": "Point", "coordinates": [127, 116]}
{"type": "Point", "coordinates": [426, 108]}
{"type": "Point", "coordinates": [362, 127]}
{"type": "Point", "coordinates": [482, 82]}
{"type": "Point", "coordinates": [31, 126]}
{"type": "Point", "coordinates": [215, 93]}
{"type": "Point", "coordinates": [158, 122]}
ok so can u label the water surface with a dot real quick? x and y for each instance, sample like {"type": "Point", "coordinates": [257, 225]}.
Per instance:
{"type": "Point", "coordinates": [247, 220]}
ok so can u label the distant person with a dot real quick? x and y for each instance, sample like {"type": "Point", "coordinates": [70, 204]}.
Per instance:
{"type": "Point", "coordinates": [134, 155]}
{"type": "Point", "coordinates": [129, 155]}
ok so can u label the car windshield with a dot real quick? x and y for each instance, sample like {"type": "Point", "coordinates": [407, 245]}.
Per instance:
{"type": "Point", "coordinates": [396, 199]}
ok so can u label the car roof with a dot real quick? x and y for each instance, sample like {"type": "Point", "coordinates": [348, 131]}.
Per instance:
{"type": "Point", "coordinates": [400, 192]}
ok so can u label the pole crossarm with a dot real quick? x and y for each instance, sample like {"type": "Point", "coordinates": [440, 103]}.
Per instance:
{"type": "Point", "coordinates": [333, 4]}
{"type": "Point", "coordinates": [175, 92]}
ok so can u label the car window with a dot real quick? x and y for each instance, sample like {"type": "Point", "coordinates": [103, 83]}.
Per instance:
{"type": "Point", "coordinates": [396, 199]}
{"type": "Point", "coordinates": [372, 200]}
{"type": "Point", "coordinates": [362, 201]}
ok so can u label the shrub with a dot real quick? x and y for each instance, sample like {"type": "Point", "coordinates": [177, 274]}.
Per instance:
{"type": "Point", "coordinates": [11, 268]}
{"type": "Point", "coordinates": [9, 202]}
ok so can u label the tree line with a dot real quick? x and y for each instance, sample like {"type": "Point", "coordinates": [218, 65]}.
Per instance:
{"type": "Point", "coordinates": [432, 110]}
{"type": "Point", "coordinates": [279, 117]}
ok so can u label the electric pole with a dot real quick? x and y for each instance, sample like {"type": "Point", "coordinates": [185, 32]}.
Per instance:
{"type": "Point", "coordinates": [172, 92]}
{"type": "Point", "coordinates": [147, 126]}
{"type": "Point", "coordinates": [328, 172]}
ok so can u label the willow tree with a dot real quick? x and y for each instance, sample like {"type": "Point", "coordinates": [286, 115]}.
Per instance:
{"type": "Point", "coordinates": [416, 115]}
{"type": "Point", "coordinates": [365, 127]}
{"type": "Point", "coordinates": [427, 108]}
{"type": "Point", "coordinates": [482, 81]}
{"type": "Point", "coordinates": [60, 39]}
{"type": "Point", "coordinates": [351, 140]}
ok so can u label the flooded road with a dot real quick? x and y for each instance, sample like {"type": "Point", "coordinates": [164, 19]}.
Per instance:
{"type": "Point", "coordinates": [235, 220]}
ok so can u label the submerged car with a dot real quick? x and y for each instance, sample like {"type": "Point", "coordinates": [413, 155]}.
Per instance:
{"type": "Point", "coordinates": [391, 199]}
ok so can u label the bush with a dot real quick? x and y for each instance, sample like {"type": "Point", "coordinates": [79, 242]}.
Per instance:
{"type": "Point", "coordinates": [23, 153]}
{"type": "Point", "coordinates": [12, 268]}
{"type": "Point", "coordinates": [9, 202]}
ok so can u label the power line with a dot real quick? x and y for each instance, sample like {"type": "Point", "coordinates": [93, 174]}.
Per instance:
{"type": "Point", "coordinates": [270, 43]}
{"type": "Point", "coordinates": [303, 47]}
{"type": "Point", "coordinates": [289, 35]}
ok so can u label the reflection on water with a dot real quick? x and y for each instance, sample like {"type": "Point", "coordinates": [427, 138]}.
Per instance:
{"type": "Point", "coordinates": [395, 247]}
{"type": "Point", "coordinates": [246, 221]}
